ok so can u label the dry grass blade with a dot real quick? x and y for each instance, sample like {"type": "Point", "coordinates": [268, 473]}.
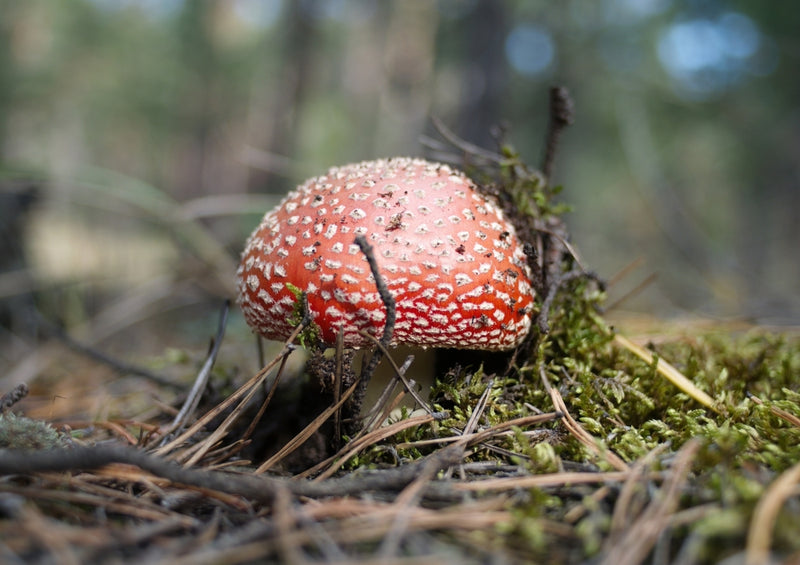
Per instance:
{"type": "Point", "coordinates": [288, 548]}
{"type": "Point", "coordinates": [623, 513]}
{"type": "Point", "coordinates": [203, 447]}
{"type": "Point", "coordinates": [358, 445]}
{"type": "Point", "coordinates": [638, 540]}
{"type": "Point", "coordinates": [649, 279]}
{"type": "Point", "coordinates": [547, 480]}
{"type": "Point", "coordinates": [193, 398]}
{"type": "Point", "coordinates": [477, 412]}
{"type": "Point", "coordinates": [669, 372]}
{"type": "Point", "coordinates": [307, 432]}
{"type": "Point", "coordinates": [398, 373]}
{"type": "Point", "coordinates": [53, 537]}
{"type": "Point", "coordinates": [484, 435]}
{"type": "Point", "coordinates": [577, 430]}
{"type": "Point", "coordinates": [247, 388]}
{"type": "Point", "coordinates": [759, 537]}
{"type": "Point", "coordinates": [135, 508]}
{"type": "Point", "coordinates": [382, 408]}
{"type": "Point", "coordinates": [404, 504]}
{"type": "Point", "coordinates": [779, 412]}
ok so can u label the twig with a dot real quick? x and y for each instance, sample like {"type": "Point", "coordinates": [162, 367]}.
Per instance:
{"type": "Point", "coordinates": [9, 399]}
{"type": "Point", "coordinates": [561, 115]}
{"type": "Point", "coordinates": [83, 458]}
{"type": "Point", "coordinates": [388, 328]}
{"type": "Point", "coordinates": [466, 147]}
{"type": "Point", "coordinates": [92, 353]}
{"type": "Point", "coordinates": [477, 412]}
{"type": "Point", "coordinates": [552, 290]}
{"type": "Point", "coordinates": [625, 271]}
{"type": "Point", "coordinates": [193, 399]}
{"type": "Point", "coordinates": [337, 390]}
{"type": "Point", "coordinates": [254, 487]}
{"type": "Point", "coordinates": [632, 292]}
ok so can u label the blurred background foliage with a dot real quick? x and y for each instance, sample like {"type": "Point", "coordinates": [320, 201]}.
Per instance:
{"type": "Point", "coordinates": [142, 140]}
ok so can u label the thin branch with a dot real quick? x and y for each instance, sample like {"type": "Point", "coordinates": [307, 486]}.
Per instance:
{"type": "Point", "coordinates": [119, 366]}
{"type": "Point", "coordinates": [253, 487]}
{"type": "Point", "coordinates": [9, 399]}
{"type": "Point", "coordinates": [552, 290]}
{"type": "Point", "coordinates": [193, 399]}
{"type": "Point", "coordinates": [388, 329]}
{"type": "Point", "coordinates": [562, 113]}
{"type": "Point", "coordinates": [465, 146]}
{"type": "Point", "coordinates": [254, 381]}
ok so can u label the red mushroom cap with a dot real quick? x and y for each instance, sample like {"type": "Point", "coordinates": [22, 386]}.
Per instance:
{"type": "Point", "coordinates": [447, 254]}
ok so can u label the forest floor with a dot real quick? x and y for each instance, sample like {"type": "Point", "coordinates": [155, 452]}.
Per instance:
{"type": "Point", "coordinates": [588, 454]}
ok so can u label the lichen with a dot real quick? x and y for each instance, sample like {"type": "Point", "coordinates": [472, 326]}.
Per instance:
{"type": "Point", "coordinates": [19, 432]}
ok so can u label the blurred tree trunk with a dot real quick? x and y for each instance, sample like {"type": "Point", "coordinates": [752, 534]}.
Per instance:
{"type": "Point", "coordinates": [291, 86]}
{"type": "Point", "coordinates": [7, 16]}
{"type": "Point", "coordinates": [199, 109]}
{"type": "Point", "coordinates": [486, 71]}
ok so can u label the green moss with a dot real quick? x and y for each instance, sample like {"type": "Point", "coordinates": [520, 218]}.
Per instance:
{"type": "Point", "coordinates": [311, 333]}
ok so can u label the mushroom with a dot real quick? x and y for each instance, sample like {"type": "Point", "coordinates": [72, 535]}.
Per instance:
{"type": "Point", "coordinates": [448, 255]}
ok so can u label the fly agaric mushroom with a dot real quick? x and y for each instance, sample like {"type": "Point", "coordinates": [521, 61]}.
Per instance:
{"type": "Point", "coordinates": [447, 254]}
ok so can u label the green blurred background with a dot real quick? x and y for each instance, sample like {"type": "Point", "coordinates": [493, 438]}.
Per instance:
{"type": "Point", "coordinates": [141, 140]}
